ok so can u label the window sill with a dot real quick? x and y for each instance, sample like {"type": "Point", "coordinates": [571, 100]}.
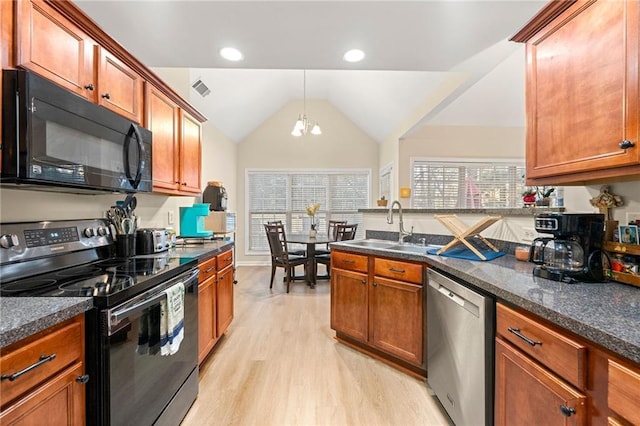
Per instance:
{"type": "Point", "coordinates": [523, 211]}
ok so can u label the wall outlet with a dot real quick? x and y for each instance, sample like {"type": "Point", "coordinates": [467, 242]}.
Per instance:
{"type": "Point", "coordinates": [170, 218]}
{"type": "Point", "coordinates": [529, 234]}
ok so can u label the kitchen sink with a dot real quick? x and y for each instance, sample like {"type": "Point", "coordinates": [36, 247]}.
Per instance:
{"type": "Point", "coordinates": [378, 244]}
{"type": "Point", "coordinates": [412, 248]}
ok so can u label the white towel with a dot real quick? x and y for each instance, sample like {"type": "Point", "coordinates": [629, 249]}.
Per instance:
{"type": "Point", "coordinates": [172, 320]}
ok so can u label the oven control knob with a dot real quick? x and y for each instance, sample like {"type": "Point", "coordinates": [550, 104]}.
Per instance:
{"type": "Point", "coordinates": [89, 232]}
{"type": "Point", "coordinates": [103, 230]}
{"type": "Point", "coordinates": [9, 240]}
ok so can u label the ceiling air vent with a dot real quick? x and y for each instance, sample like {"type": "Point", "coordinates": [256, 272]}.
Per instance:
{"type": "Point", "coordinates": [201, 88]}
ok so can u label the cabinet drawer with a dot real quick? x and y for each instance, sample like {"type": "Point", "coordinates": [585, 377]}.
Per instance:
{"type": "Point", "coordinates": [225, 259]}
{"type": "Point", "coordinates": [349, 261]}
{"type": "Point", "coordinates": [403, 271]}
{"type": "Point", "coordinates": [623, 392]}
{"type": "Point", "coordinates": [566, 357]}
{"type": "Point", "coordinates": [207, 269]}
{"type": "Point", "coordinates": [49, 351]}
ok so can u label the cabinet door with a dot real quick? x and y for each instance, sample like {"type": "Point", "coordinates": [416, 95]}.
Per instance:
{"type": "Point", "coordinates": [189, 154]}
{"type": "Point", "coordinates": [162, 120]}
{"type": "Point", "coordinates": [119, 87]}
{"type": "Point", "coordinates": [225, 300]}
{"type": "Point", "coordinates": [51, 46]}
{"type": "Point", "coordinates": [349, 301]}
{"type": "Point", "coordinates": [528, 394]}
{"type": "Point", "coordinates": [623, 386]}
{"type": "Point", "coordinates": [206, 317]}
{"type": "Point", "coordinates": [59, 401]}
{"type": "Point", "coordinates": [396, 319]}
{"type": "Point", "coordinates": [582, 91]}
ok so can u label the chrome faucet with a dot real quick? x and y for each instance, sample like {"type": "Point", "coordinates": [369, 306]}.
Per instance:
{"type": "Point", "coordinates": [401, 232]}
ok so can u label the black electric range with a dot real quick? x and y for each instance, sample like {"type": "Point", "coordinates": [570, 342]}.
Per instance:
{"type": "Point", "coordinates": [131, 378]}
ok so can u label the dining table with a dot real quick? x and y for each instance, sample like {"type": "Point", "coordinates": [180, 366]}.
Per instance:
{"type": "Point", "coordinates": [311, 274]}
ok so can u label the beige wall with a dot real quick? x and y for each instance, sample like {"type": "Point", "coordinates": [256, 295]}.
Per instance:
{"type": "Point", "coordinates": [271, 146]}
{"type": "Point", "coordinates": [459, 141]}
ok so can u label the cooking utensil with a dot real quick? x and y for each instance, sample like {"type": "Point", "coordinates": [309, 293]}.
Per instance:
{"type": "Point", "coordinates": [129, 204]}
{"type": "Point", "coordinates": [127, 226]}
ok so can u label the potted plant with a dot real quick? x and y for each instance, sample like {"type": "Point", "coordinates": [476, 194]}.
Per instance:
{"type": "Point", "coordinates": [382, 202]}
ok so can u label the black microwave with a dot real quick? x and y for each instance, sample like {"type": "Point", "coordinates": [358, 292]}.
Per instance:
{"type": "Point", "coordinates": [57, 140]}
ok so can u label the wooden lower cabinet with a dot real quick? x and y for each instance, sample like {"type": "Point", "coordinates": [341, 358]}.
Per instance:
{"type": "Point", "coordinates": [349, 303]}
{"type": "Point", "coordinates": [206, 317]}
{"type": "Point", "coordinates": [395, 318]}
{"type": "Point", "coordinates": [224, 300]}
{"type": "Point", "coordinates": [378, 305]}
{"type": "Point", "coordinates": [53, 390]}
{"type": "Point", "coordinates": [215, 301]}
{"type": "Point", "coordinates": [59, 401]}
{"type": "Point", "coordinates": [623, 393]}
{"type": "Point", "coordinates": [528, 394]}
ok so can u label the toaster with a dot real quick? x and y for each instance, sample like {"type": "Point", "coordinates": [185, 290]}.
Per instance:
{"type": "Point", "coordinates": [151, 240]}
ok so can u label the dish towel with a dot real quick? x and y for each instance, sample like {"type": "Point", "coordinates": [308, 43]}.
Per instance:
{"type": "Point", "coordinates": [465, 253]}
{"type": "Point", "coordinates": [172, 320]}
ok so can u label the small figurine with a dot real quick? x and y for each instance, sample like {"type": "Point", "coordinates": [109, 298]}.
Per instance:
{"type": "Point", "coordinates": [605, 201]}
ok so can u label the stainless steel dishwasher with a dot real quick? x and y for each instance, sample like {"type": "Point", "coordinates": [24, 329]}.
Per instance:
{"type": "Point", "coordinates": [460, 333]}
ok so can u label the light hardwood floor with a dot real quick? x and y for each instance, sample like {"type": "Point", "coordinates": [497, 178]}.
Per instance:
{"type": "Point", "coordinates": [279, 364]}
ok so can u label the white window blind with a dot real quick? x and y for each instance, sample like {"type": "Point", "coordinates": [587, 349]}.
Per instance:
{"type": "Point", "coordinates": [284, 195]}
{"type": "Point", "coordinates": [466, 184]}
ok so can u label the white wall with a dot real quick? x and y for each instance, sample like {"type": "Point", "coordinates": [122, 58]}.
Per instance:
{"type": "Point", "coordinates": [271, 146]}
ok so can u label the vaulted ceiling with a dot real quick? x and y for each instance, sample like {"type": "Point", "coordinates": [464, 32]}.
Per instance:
{"type": "Point", "coordinates": [414, 50]}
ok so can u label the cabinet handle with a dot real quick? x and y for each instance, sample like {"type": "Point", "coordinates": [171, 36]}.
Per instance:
{"type": "Point", "coordinates": [82, 379]}
{"type": "Point", "coordinates": [177, 181]}
{"type": "Point", "coordinates": [43, 359]}
{"type": "Point", "coordinates": [626, 144]}
{"type": "Point", "coordinates": [228, 259]}
{"type": "Point", "coordinates": [89, 86]}
{"type": "Point", "coordinates": [348, 261]}
{"type": "Point", "coordinates": [184, 183]}
{"type": "Point", "coordinates": [567, 411]}
{"type": "Point", "coordinates": [400, 271]}
{"type": "Point", "coordinates": [209, 269]}
{"type": "Point", "coordinates": [375, 284]}
{"type": "Point", "coordinates": [106, 96]}
{"type": "Point", "coordinates": [516, 331]}
{"type": "Point", "coordinates": [363, 282]}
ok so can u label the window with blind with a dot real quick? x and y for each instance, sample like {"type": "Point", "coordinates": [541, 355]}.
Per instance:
{"type": "Point", "coordinates": [467, 184]}
{"type": "Point", "coordinates": [284, 195]}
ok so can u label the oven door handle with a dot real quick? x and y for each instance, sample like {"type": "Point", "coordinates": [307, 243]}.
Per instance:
{"type": "Point", "coordinates": [145, 300]}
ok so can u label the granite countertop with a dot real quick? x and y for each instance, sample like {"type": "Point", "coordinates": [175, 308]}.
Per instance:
{"type": "Point", "coordinates": [607, 314]}
{"type": "Point", "coordinates": [21, 317]}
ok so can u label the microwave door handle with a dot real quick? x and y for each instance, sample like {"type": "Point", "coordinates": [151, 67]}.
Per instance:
{"type": "Point", "coordinates": [133, 181]}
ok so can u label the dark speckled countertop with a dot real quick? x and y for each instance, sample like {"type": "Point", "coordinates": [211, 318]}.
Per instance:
{"type": "Point", "coordinates": [607, 314]}
{"type": "Point", "coordinates": [21, 317]}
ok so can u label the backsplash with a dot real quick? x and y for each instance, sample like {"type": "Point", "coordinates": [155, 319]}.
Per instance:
{"type": "Point", "coordinates": [28, 205]}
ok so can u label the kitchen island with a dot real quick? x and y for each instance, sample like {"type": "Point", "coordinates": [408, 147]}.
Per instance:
{"type": "Point", "coordinates": [607, 313]}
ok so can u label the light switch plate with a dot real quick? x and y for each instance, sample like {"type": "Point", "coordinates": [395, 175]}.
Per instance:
{"type": "Point", "coordinates": [170, 218]}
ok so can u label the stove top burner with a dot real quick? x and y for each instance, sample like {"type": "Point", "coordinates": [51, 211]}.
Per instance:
{"type": "Point", "coordinates": [34, 285]}
{"type": "Point", "coordinates": [80, 271]}
{"type": "Point", "coordinates": [98, 285]}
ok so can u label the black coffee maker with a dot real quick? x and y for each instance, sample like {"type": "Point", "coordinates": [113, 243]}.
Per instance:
{"type": "Point", "coordinates": [574, 253]}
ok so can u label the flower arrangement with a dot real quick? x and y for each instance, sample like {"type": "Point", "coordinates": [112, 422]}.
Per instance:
{"type": "Point", "coordinates": [312, 209]}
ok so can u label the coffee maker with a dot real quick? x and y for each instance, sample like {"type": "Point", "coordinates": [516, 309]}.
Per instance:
{"type": "Point", "coordinates": [574, 253]}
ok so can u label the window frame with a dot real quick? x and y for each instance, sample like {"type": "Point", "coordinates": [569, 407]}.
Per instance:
{"type": "Point", "coordinates": [289, 215]}
{"type": "Point", "coordinates": [460, 161]}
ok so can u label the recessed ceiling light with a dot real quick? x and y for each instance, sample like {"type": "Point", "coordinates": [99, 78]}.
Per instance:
{"type": "Point", "coordinates": [231, 54]}
{"type": "Point", "coordinates": [354, 55]}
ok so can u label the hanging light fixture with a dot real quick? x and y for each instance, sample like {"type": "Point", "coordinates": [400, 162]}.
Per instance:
{"type": "Point", "coordinates": [301, 127]}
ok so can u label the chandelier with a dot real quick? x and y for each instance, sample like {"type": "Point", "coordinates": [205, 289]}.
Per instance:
{"type": "Point", "coordinates": [302, 123]}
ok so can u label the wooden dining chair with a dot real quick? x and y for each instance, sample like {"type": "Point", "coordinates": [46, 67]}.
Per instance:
{"type": "Point", "coordinates": [344, 232]}
{"type": "Point", "coordinates": [331, 234]}
{"type": "Point", "coordinates": [296, 252]}
{"type": "Point", "coordinates": [280, 256]}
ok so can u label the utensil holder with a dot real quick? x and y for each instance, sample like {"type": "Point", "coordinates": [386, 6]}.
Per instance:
{"type": "Point", "coordinates": [125, 245]}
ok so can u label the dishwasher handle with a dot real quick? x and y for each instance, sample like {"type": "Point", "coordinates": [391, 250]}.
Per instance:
{"type": "Point", "coordinates": [451, 295]}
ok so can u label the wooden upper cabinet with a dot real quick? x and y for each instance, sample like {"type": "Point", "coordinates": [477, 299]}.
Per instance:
{"type": "Point", "coordinates": [119, 87]}
{"type": "Point", "coordinates": [582, 93]}
{"type": "Point", "coordinates": [161, 117]}
{"type": "Point", "coordinates": [190, 153]}
{"type": "Point", "coordinates": [50, 45]}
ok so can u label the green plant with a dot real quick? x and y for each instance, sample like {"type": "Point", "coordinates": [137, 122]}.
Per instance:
{"type": "Point", "coordinates": [382, 198]}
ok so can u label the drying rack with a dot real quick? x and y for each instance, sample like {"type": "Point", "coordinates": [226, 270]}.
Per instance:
{"type": "Point", "coordinates": [462, 233]}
